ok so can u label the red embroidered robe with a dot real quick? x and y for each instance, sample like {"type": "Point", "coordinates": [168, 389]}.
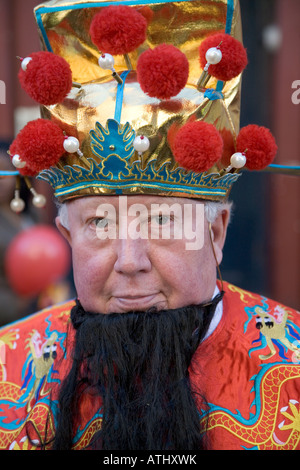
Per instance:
{"type": "Point", "coordinates": [248, 370]}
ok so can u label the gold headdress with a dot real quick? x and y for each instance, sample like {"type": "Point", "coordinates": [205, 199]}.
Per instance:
{"type": "Point", "coordinates": [148, 99]}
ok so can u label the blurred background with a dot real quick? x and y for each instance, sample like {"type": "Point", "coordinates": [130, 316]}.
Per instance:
{"type": "Point", "coordinates": [263, 246]}
{"type": "Point", "coordinates": [262, 253]}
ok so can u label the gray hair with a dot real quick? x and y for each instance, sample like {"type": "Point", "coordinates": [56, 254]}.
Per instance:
{"type": "Point", "coordinates": [212, 210]}
{"type": "Point", "coordinates": [62, 212]}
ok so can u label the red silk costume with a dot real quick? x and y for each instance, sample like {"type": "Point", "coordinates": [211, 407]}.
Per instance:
{"type": "Point", "coordinates": [248, 370]}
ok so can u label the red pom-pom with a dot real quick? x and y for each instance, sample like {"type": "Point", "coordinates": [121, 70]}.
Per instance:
{"type": "Point", "coordinates": [118, 29]}
{"type": "Point", "coordinates": [39, 144]}
{"type": "Point", "coordinates": [197, 146]}
{"type": "Point", "coordinates": [234, 56]}
{"type": "Point", "coordinates": [47, 78]}
{"type": "Point", "coordinates": [163, 71]}
{"type": "Point", "coordinates": [259, 146]}
{"type": "Point", "coordinates": [13, 150]}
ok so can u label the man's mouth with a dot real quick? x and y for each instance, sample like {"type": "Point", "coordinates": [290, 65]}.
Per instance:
{"type": "Point", "coordinates": [123, 303]}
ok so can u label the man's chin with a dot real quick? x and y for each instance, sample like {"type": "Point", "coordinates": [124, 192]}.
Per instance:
{"type": "Point", "coordinates": [136, 304]}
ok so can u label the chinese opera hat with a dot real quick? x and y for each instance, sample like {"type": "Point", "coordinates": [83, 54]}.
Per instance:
{"type": "Point", "coordinates": [138, 98]}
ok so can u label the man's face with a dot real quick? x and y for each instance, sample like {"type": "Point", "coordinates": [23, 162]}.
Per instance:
{"type": "Point", "coordinates": [122, 261]}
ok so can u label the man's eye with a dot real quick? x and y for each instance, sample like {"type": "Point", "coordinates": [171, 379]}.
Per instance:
{"type": "Point", "coordinates": [101, 223]}
{"type": "Point", "coordinates": [160, 219]}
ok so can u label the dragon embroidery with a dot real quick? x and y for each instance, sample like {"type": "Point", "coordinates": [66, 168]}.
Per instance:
{"type": "Point", "coordinates": [280, 335]}
{"type": "Point", "coordinates": [276, 332]}
{"type": "Point", "coordinates": [34, 394]}
{"type": "Point", "coordinates": [39, 366]}
{"type": "Point", "coordinates": [260, 431]}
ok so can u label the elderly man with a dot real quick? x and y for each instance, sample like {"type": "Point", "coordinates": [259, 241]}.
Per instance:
{"type": "Point", "coordinates": [153, 267]}
{"type": "Point", "coordinates": [155, 353]}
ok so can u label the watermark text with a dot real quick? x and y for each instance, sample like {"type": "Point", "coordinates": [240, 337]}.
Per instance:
{"type": "Point", "coordinates": [2, 92]}
{"type": "Point", "coordinates": [155, 222]}
{"type": "Point", "coordinates": [296, 93]}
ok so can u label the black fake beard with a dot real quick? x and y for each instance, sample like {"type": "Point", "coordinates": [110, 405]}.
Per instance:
{"type": "Point", "coordinates": [138, 363]}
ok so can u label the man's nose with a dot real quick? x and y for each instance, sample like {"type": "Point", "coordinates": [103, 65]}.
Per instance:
{"type": "Point", "coordinates": [132, 256]}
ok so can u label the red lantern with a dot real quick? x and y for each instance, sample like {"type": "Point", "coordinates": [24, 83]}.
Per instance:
{"type": "Point", "coordinates": [36, 258]}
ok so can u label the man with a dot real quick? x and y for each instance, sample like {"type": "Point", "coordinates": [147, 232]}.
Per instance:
{"type": "Point", "coordinates": [155, 353]}
{"type": "Point", "coordinates": [166, 285]}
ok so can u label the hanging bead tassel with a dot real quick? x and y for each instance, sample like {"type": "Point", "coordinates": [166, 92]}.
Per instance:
{"type": "Point", "coordinates": [38, 199]}
{"type": "Point", "coordinates": [17, 204]}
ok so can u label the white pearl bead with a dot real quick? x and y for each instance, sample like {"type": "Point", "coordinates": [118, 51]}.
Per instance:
{"type": "Point", "coordinates": [17, 204]}
{"type": "Point", "coordinates": [213, 55]}
{"type": "Point", "coordinates": [17, 162]}
{"type": "Point", "coordinates": [71, 144]}
{"type": "Point", "coordinates": [141, 143]}
{"type": "Point", "coordinates": [106, 62]}
{"type": "Point", "coordinates": [39, 200]}
{"type": "Point", "coordinates": [238, 160]}
{"type": "Point", "coordinates": [25, 62]}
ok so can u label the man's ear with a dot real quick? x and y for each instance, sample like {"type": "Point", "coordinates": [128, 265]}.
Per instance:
{"type": "Point", "coordinates": [63, 230]}
{"type": "Point", "coordinates": [218, 233]}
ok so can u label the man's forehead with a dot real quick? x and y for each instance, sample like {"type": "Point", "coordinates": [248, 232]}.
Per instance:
{"type": "Point", "coordinates": [93, 202]}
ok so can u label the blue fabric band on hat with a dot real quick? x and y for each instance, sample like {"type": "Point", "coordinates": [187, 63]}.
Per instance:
{"type": "Point", "coordinates": [213, 95]}
{"type": "Point", "coordinates": [9, 173]}
{"type": "Point", "coordinates": [119, 98]}
{"type": "Point", "coordinates": [229, 17]}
